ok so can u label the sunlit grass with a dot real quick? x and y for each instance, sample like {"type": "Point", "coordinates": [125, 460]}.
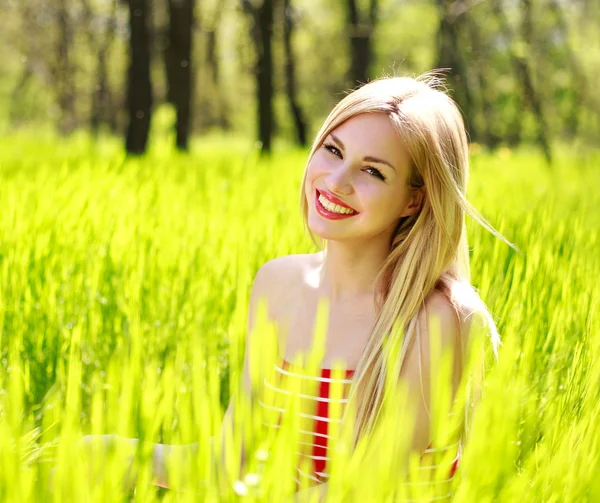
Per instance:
{"type": "Point", "coordinates": [123, 297]}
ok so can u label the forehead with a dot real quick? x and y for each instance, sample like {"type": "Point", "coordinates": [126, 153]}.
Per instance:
{"type": "Point", "coordinates": [372, 134]}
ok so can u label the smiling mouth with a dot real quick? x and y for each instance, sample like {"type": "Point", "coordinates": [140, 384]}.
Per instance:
{"type": "Point", "coordinates": [332, 210]}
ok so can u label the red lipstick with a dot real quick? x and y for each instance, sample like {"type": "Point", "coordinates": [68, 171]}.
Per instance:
{"type": "Point", "coordinates": [333, 199]}
{"type": "Point", "coordinates": [330, 215]}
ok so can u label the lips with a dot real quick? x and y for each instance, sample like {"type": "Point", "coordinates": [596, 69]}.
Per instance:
{"type": "Point", "coordinates": [329, 196]}
{"type": "Point", "coordinates": [332, 215]}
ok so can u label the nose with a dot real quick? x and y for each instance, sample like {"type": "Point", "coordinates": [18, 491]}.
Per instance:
{"type": "Point", "coordinates": [338, 180]}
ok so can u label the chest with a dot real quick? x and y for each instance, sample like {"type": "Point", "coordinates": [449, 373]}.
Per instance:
{"type": "Point", "coordinates": [349, 326]}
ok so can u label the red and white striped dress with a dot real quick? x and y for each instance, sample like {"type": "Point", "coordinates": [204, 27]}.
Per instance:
{"type": "Point", "coordinates": [321, 402]}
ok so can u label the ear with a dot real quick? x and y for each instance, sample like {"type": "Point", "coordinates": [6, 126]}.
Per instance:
{"type": "Point", "coordinates": [415, 203]}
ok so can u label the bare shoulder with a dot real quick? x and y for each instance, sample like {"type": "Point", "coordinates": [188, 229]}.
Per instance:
{"type": "Point", "coordinates": [457, 311]}
{"type": "Point", "coordinates": [279, 278]}
{"type": "Point", "coordinates": [440, 312]}
{"type": "Point", "coordinates": [286, 269]}
{"type": "Point", "coordinates": [454, 312]}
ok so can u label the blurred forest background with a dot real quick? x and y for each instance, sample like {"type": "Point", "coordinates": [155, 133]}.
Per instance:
{"type": "Point", "coordinates": [522, 71]}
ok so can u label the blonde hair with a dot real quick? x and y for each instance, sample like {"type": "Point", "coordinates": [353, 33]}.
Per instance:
{"type": "Point", "coordinates": [428, 250]}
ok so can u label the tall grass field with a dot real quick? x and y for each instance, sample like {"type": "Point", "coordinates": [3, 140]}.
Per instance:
{"type": "Point", "coordinates": [124, 287]}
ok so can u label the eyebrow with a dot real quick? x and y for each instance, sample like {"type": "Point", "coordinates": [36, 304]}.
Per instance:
{"type": "Point", "coordinates": [368, 158]}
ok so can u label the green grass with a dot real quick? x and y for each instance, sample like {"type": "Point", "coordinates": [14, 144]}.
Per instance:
{"type": "Point", "coordinates": [123, 296]}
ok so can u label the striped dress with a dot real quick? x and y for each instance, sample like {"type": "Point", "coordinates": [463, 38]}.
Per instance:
{"type": "Point", "coordinates": [321, 399]}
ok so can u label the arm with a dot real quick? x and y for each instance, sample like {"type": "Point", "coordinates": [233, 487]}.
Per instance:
{"type": "Point", "coordinates": [422, 365]}
{"type": "Point", "coordinates": [260, 288]}
{"type": "Point", "coordinates": [182, 453]}
{"type": "Point", "coordinates": [416, 379]}
{"type": "Point", "coordinates": [161, 452]}
{"type": "Point", "coordinates": [94, 445]}
{"type": "Point", "coordinates": [263, 281]}
{"type": "Point", "coordinates": [315, 494]}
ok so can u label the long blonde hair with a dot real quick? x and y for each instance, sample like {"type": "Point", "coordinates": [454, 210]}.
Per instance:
{"type": "Point", "coordinates": [428, 250]}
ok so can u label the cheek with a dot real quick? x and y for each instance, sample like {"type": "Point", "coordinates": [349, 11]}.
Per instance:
{"type": "Point", "coordinates": [312, 173]}
{"type": "Point", "coordinates": [396, 206]}
{"type": "Point", "coordinates": [318, 166]}
{"type": "Point", "coordinates": [383, 204]}
{"type": "Point", "coordinates": [309, 184]}
{"type": "Point", "coordinates": [308, 178]}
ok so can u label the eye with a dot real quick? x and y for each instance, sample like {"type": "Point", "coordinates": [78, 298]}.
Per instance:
{"type": "Point", "coordinates": [375, 172]}
{"type": "Point", "coordinates": [333, 149]}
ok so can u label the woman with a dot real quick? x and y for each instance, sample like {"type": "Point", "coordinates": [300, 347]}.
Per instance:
{"type": "Point", "coordinates": [384, 192]}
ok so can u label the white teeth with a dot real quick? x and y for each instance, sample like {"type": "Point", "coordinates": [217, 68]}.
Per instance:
{"type": "Point", "coordinates": [335, 208]}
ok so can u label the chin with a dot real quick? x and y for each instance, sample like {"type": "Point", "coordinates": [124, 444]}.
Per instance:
{"type": "Point", "coordinates": [317, 227]}
{"type": "Point", "coordinates": [321, 229]}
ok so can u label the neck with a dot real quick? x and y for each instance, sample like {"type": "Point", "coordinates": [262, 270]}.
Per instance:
{"type": "Point", "coordinates": [348, 270]}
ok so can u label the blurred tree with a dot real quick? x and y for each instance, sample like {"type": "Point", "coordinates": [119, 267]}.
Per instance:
{"type": "Point", "coordinates": [178, 58]}
{"type": "Point", "coordinates": [212, 45]}
{"type": "Point", "coordinates": [290, 73]}
{"type": "Point", "coordinates": [212, 29]}
{"type": "Point", "coordinates": [24, 11]}
{"type": "Point", "coordinates": [100, 30]}
{"type": "Point", "coordinates": [360, 30]}
{"type": "Point", "coordinates": [451, 55]}
{"type": "Point", "coordinates": [262, 36]}
{"type": "Point", "coordinates": [518, 53]}
{"type": "Point", "coordinates": [481, 72]}
{"type": "Point", "coordinates": [139, 87]}
{"type": "Point", "coordinates": [522, 70]}
{"type": "Point", "coordinates": [63, 68]}
{"type": "Point", "coordinates": [578, 85]}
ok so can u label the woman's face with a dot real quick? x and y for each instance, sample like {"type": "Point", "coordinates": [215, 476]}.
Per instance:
{"type": "Point", "coordinates": [356, 181]}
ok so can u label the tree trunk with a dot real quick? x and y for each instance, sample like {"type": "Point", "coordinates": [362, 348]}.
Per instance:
{"type": "Point", "coordinates": [290, 74]}
{"type": "Point", "coordinates": [179, 66]}
{"type": "Point", "coordinates": [64, 71]}
{"type": "Point", "coordinates": [488, 135]}
{"type": "Point", "coordinates": [360, 38]}
{"type": "Point", "coordinates": [523, 74]}
{"type": "Point", "coordinates": [579, 84]}
{"type": "Point", "coordinates": [213, 60]}
{"type": "Point", "coordinates": [262, 34]}
{"type": "Point", "coordinates": [17, 91]}
{"type": "Point", "coordinates": [265, 74]}
{"type": "Point", "coordinates": [450, 57]}
{"type": "Point", "coordinates": [212, 46]}
{"type": "Point", "coordinates": [139, 87]}
{"type": "Point", "coordinates": [101, 95]}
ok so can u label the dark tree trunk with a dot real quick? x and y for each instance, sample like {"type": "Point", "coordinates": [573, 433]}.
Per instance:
{"type": "Point", "coordinates": [450, 56]}
{"type": "Point", "coordinates": [262, 34]}
{"type": "Point", "coordinates": [64, 71]}
{"type": "Point", "coordinates": [179, 66]}
{"type": "Point", "coordinates": [139, 87]}
{"type": "Point", "coordinates": [360, 37]}
{"type": "Point", "coordinates": [265, 74]}
{"type": "Point", "coordinates": [290, 74]}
